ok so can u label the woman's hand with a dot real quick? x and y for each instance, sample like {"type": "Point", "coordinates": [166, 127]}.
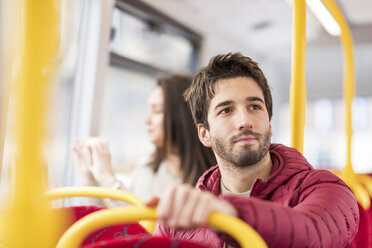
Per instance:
{"type": "Point", "coordinates": [96, 162]}
{"type": "Point", "coordinates": [81, 158]}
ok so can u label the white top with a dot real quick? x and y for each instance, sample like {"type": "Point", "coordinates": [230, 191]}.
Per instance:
{"type": "Point", "coordinates": [147, 184]}
{"type": "Point", "coordinates": [144, 183]}
{"type": "Point", "coordinates": [226, 191]}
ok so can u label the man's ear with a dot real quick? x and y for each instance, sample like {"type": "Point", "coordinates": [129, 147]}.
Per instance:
{"type": "Point", "coordinates": [204, 137]}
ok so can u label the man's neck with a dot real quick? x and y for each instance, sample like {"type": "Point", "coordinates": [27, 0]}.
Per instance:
{"type": "Point", "coordinates": [240, 179]}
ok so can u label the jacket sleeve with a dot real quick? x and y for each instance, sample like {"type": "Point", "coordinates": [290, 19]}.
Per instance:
{"type": "Point", "coordinates": [161, 230]}
{"type": "Point", "coordinates": [326, 215]}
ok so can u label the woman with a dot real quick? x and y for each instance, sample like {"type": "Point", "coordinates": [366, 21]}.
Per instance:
{"type": "Point", "coordinates": [179, 156]}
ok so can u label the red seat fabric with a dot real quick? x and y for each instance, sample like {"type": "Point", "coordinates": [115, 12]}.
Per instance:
{"type": "Point", "coordinates": [124, 236]}
{"type": "Point", "coordinates": [109, 233]}
{"type": "Point", "coordinates": [81, 211]}
{"type": "Point", "coordinates": [363, 239]}
{"type": "Point", "coordinates": [144, 242]}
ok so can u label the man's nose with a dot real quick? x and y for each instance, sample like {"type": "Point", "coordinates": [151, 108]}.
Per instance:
{"type": "Point", "coordinates": [244, 122]}
{"type": "Point", "coordinates": [245, 125]}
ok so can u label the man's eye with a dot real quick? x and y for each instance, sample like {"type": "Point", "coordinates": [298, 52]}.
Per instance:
{"type": "Point", "coordinates": [225, 111]}
{"type": "Point", "coordinates": [256, 107]}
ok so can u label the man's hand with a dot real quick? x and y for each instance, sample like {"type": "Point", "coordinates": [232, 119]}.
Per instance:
{"type": "Point", "coordinates": [184, 207]}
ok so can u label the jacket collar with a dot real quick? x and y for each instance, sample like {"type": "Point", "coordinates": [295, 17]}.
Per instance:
{"type": "Point", "coordinates": [286, 163]}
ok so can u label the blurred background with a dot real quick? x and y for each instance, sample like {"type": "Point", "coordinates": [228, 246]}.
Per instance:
{"type": "Point", "coordinates": [112, 52]}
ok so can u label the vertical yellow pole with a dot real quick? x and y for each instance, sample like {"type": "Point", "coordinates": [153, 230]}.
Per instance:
{"type": "Point", "coordinates": [26, 220]}
{"type": "Point", "coordinates": [349, 75]}
{"type": "Point", "coordinates": [298, 86]}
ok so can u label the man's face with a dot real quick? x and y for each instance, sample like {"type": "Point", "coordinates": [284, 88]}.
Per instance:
{"type": "Point", "coordinates": [239, 126]}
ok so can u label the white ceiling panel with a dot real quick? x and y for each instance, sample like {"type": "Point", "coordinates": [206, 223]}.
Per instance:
{"type": "Point", "coordinates": [358, 12]}
{"type": "Point", "coordinates": [265, 26]}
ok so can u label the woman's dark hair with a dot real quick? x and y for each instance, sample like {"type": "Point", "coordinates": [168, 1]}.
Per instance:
{"type": "Point", "coordinates": [180, 132]}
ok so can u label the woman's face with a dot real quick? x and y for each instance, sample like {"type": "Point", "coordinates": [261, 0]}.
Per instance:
{"type": "Point", "coordinates": [155, 117]}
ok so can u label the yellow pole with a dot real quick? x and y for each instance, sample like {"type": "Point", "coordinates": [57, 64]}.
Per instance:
{"type": "Point", "coordinates": [298, 86]}
{"type": "Point", "coordinates": [349, 75]}
{"type": "Point", "coordinates": [26, 220]}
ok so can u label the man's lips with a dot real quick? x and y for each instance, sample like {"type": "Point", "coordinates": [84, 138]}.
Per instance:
{"type": "Point", "coordinates": [246, 140]}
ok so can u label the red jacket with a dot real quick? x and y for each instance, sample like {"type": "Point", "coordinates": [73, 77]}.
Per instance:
{"type": "Point", "coordinates": [296, 206]}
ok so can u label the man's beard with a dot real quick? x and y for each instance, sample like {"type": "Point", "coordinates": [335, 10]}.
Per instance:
{"type": "Point", "coordinates": [245, 157]}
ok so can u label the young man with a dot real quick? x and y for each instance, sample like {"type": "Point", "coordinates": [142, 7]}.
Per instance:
{"type": "Point", "coordinates": [269, 186]}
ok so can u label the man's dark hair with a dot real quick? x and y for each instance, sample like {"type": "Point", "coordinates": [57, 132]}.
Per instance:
{"type": "Point", "coordinates": [223, 66]}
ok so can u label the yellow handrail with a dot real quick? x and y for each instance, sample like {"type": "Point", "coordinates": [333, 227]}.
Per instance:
{"type": "Point", "coordinates": [354, 181]}
{"type": "Point", "coordinates": [25, 211]}
{"type": "Point", "coordinates": [298, 86]}
{"type": "Point", "coordinates": [92, 191]}
{"type": "Point", "coordinates": [74, 236]}
{"type": "Point", "coordinates": [349, 74]}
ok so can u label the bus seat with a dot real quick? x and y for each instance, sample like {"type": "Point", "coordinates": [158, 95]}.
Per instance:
{"type": "Point", "coordinates": [99, 192]}
{"type": "Point", "coordinates": [363, 239]}
{"type": "Point", "coordinates": [109, 234]}
{"type": "Point", "coordinates": [144, 242]}
{"type": "Point", "coordinates": [245, 235]}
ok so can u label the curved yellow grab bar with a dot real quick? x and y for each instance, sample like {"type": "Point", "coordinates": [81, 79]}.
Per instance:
{"type": "Point", "coordinates": [99, 192]}
{"type": "Point", "coordinates": [349, 73]}
{"type": "Point", "coordinates": [366, 180]}
{"type": "Point", "coordinates": [74, 236]}
{"type": "Point", "coordinates": [92, 191]}
{"type": "Point", "coordinates": [355, 183]}
{"type": "Point", "coordinates": [359, 184]}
